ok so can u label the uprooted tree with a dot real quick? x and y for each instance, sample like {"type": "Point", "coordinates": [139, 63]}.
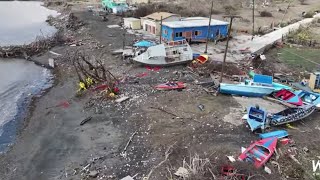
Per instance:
{"type": "Point", "coordinates": [93, 68]}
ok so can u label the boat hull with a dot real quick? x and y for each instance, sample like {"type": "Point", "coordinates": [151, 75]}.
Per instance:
{"type": "Point", "coordinates": [245, 90]}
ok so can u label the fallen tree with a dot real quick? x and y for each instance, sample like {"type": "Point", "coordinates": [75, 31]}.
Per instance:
{"type": "Point", "coordinates": [87, 67]}
{"type": "Point", "coordinates": [42, 44]}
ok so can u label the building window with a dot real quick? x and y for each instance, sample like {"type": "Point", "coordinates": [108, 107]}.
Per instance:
{"type": "Point", "coordinates": [179, 34]}
{"type": "Point", "coordinates": [165, 32]}
{"type": "Point", "coordinates": [197, 33]}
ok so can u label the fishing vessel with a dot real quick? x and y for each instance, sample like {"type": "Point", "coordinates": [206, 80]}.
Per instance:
{"type": "Point", "coordinates": [177, 52]}
{"type": "Point", "coordinates": [248, 89]}
{"type": "Point", "coordinates": [291, 115]}
{"type": "Point", "coordinates": [309, 97]}
{"type": "Point", "coordinates": [288, 96]}
{"type": "Point", "coordinates": [259, 152]}
{"type": "Point", "coordinates": [259, 119]}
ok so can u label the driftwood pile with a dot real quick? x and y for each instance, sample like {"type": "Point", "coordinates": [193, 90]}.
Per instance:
{"type": "Point", "coordinates": [91, 67]}
{"type": "Point", "coordinates": [42, 44]}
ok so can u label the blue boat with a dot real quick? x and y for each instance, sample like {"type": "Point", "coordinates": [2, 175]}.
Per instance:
{"type": "Point", "coordinates": [290, 115]}
{"type": "Point", "coordinates": [248, 88]}
{"type": "Point", "coordinates": [309, 97]}
{"type": "Point", "coordinates": [256, 118]}
{"type": "Point", "coordinates": [260, 86]}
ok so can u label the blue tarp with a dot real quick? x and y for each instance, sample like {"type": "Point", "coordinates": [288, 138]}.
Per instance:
{"type": "Point", "coordinates": [259, 78]}
{"type": "Point", "coordinates": [144, 44]}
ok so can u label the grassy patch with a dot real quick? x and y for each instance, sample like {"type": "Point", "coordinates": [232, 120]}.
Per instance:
{"type": "Point", "coordinates": [300, 58]}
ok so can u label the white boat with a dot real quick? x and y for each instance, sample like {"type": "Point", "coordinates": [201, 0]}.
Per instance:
{"type": "Point", "coordinates": [171, 53]}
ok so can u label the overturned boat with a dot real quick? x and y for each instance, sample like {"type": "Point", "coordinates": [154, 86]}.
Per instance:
{"type": "Point", "coordinates": [177, 52]}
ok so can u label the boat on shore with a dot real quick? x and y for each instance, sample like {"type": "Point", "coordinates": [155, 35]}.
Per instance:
{"type": "Point", "coordinates": [259, 152]}
{"type": "Point", "coordinates": [248, 89]}
{"type": "Point", "coordinates": [289, 97]}
{"type": "Point", "coordinates": [290, 115]}
{"type": "Point", "coordinates": [256, 118]}
{"type": "Point", "coordinates": [259, 86]}
{"type": "Point", "coordinates": [172, 53]}
{"type": "Point", "coordinates": [309, 97]}
{"type": "Point", "coordinates": [259, 119]}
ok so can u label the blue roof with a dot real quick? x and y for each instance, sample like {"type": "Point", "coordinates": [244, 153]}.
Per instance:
{"type": "Point", "coordinates": [144, 44]}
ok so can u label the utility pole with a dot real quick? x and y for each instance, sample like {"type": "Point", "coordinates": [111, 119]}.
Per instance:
{"type": "Point", "coordinates": [253, 8]}
{"type": "Point", "coordinates": [227, 45]}
{"type": "Point", "coordinates": [209, 26]}
{"type": "Point", "coordinates": [161, 30]}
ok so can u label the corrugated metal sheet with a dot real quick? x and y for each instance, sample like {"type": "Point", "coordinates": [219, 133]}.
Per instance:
{"type": "Point", "coordinates": [194, 23]}
{"type": "Point", "coordinates": [157, 15]}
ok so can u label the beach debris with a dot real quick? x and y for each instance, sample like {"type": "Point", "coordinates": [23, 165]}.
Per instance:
{"type": "Point", "coordinates": [305, 149]}
{"type": "Point", "coordinates": [127, 178]}
{"type": "Point", "coordinates": [156, 68]}
{"type": "Point", "coordinates": [231, 158]}
{"type": "Point", "coordinates": [245, 117]}
{"type": "Point", "coordinates": [91, 70]}
{"type": "Point", "coordinates": [202, 59]}
{"type": "Point", "coordinates": [259, 152]}
{"type": "Point", "coordinates": [64, 104]}
{"type": "Point", "coordinates": [161, 109]}
{"type": "Point", "coordinates": [144, 44]}
{"type": "Point", "coordinates": [294, 159]}
{"type": "Point", "coordinates": [231, 172]}
{"type": "Point", "coordinates": [54, 53]}
{"type": "Point", "coordinates": [93, 174]}
{"type": "Point", "coordinates": [85, 120]}
{"type": "Point", "coordinates": [267, 170]}
{"type": "Point", "coordinates": [279, 134]}
{"type": "Point", "coordinates": [124, 151]}
{"type": "Point", "coordinates": [122, 99]}
{"type": "Point", "coordinates": [201, 107]}
{"type": "Point", "coordinates": [171, 86]}
{"type": "Point", "coordinates": [51, 62]}
{"type": "Point", "coordinates": [113, 26]}
{"type": "Point", "coordinates": [277, 164]}
{"type": "Point", "coordinates": [142, 75]}
{"type": "Point", "coordinates": [285, 141]}
{"type": "Point", "coordinates": [182, 172]}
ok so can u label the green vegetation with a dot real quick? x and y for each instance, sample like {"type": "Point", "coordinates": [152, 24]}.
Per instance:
{"type": "Point", "coordinates": [302, 59]}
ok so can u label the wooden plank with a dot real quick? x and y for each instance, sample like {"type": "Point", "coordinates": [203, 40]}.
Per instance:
{"type": "Point", "coordinates": [279, 102]}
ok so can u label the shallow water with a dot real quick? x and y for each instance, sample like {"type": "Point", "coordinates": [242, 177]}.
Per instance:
{"type": "Point", "coordinates": [21, 22]}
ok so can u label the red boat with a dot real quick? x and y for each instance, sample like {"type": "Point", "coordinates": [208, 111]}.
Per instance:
{"type": "Point", "coordinates": [171, 86]}
{"type": "Point", "coordinates": [289, 97]}
{"type": "Point", "coordinates": [259, 152]}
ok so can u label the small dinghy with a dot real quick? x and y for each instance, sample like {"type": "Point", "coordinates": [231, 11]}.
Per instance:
{"type": "Point", "coordinates": [289, 97]}
{"type": "Point", "coordinates": [171, 86]}
{"type": "Point", "coordinates": [259, 152]}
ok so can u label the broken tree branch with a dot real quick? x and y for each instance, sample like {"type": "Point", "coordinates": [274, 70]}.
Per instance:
{"type": "Point", "coordinates": [166, 156]}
